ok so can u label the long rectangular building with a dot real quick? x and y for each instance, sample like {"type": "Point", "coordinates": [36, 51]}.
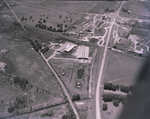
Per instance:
{"type": "Point", "coordinates": [82, 52]}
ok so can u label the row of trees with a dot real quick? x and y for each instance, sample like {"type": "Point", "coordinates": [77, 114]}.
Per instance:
{"type": "Point", "coordinates": [110, 97]}
{"type": "Point", "coordinates": [125, 89]}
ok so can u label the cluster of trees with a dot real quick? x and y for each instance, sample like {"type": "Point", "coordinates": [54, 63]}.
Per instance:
{"type": "Point", "coordinates": [21, 82]}
{"type": "Point", "coordinates": [23, 19]}
{"type": "Point", "coordinates": [108, 10]}
{"type": "Point", "coordinates": [124, 10]}
{"type": "Point", "coordinates": [110, 86]}
{"type": "Point", "coordinates": [76, 97]}
{"type": "Point", "coordinates": [19, 103]}
{"type": "Point", "coordinates": [115, 98]}
{"type": "Point", "coordinates": [36, 45]}
{"type": "Point", "coordinates": [125, 89]}
{"type": "Point", "coordinates": [80, 73]}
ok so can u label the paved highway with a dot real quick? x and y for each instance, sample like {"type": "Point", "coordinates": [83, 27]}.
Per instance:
{"type": "Point", "coordinates": [98, 113]}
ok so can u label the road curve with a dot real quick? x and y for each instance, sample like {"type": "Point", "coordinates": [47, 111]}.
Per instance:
{"type": "Point", "coordinates": [98, 114]}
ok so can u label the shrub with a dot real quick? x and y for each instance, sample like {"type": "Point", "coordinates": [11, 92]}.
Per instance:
{"type": "Point", "coordinates": [76, 97]}
{"type": "Point", "coordinates": [80, 73]}
{"type": "Point", "coordinates": [11, 109]}
{"type": "Point", "coordinates": [47, 114]}
{"type": "Point", "coordinates": [105, 107]}
{"type": "Point", "coordinates": [65, 117]}
{"type": "Point", "coordinates": [116, 103]}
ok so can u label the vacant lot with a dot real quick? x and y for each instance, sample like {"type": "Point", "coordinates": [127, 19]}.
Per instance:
{"type": "Point", "coordinates": [100, 31]}
{"type": "Point", "coordinates": [121, 32]}
{"type": "Point", "coordinates": [122, 69]}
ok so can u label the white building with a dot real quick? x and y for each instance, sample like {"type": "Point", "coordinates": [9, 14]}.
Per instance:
{"type": "Point", "coordinates": [67, 47]}
{"type": "Point", "coordinates": [82, 52]}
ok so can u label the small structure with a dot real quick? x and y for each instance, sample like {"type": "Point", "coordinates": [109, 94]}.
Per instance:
{"type": "Point", "coordinates": [139, 50]}
{"type": "Point", "coordinates": [3, 51]}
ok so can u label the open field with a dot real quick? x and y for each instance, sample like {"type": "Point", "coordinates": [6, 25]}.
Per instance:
{"type": "Point", "coordinates": [99, 8]}
{"type": "Point", "coordinates": [122, 68]}
{"type": "Point", "coordinates": [26, 64]}
{"type": "Point", "coordinates": [138, 9]}
{"type": "Point", "coordinates": [74, 6]}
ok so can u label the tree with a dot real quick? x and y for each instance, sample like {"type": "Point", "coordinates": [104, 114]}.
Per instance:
{"type": "Point", "coordinates": [116, 103]}
{"type": "Point", "coordinates": [70, 20]}
{"type": "Point", "coordinates": [108, 97]}
{"type": "Point", "coordinates": [65, 117]}
{"type": "Point", "coordinates": [131, 88]}
{"type": "Point", "coordinates": [66, 25]}
{"type": "Point", "coordinates": [44, 20]}
{"type": "Point", "coordinates": [16, 80]}
{"type": "Point", "coordinates": [11, 109]}
{"type": "Point", "coordinates": [76, 97]}
{"type": "Point", "coordinates": [105, 107]}
{"type": "Point", "coordinates": [22, 19]}
{"type": "Point", "coordinates": [108, 86]}
{"type": "Point", "coordinates": [60, 16]}
{"type": "Point", "coordinates": [54, 29]}
{"type": "Point", "coordinates": [66, 17]}
{"type": "Point", "coordinates": [124, 89]}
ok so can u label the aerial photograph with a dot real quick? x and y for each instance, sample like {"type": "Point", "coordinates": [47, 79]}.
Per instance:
{"type": "Point", "coordinates": [71, 59]}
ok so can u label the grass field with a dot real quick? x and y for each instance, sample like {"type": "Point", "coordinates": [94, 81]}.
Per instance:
{"type": "Point", "coordinates": [54, 113]}
{"type": "Point", "coordinates": [99, 8]}
{"type": "Point", "coordinates": [23, 62]}
{"type": "Point", "coordinates": [122, 69]}
{"type": "Point", "coordinates": [112, 112]}
{"type": "Point", "coordinates": [138, 8]}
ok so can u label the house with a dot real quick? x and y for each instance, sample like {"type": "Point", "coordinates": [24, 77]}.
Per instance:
{"type": "Point", "coordinates": [139, 50]}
